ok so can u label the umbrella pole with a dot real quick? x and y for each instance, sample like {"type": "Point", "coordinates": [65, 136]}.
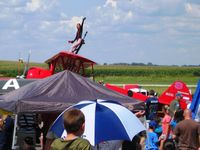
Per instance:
{"type": "Point", "coordinates": [14, 132]}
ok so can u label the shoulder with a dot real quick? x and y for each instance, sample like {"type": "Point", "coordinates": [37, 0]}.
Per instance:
{"type": "Point", "coordinates": [152, 99]}
{"type": "Point", "coordinates": [153, 134]}
{"type": "Point", "coordinates": [82, 142]}
{"type": "Point", "coordinates": [173, 101]}
{"type": "Point", "coordinates": [182, 123]}
{"type": "Point", "coordinates": [78, 144]}
{"type": "Point", "coordinates": [57, 144]}
{"type": "Point", "coordinates": [59, 140]}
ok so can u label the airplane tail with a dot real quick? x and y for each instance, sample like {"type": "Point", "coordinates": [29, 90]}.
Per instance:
{"type": "Point", "coordinates": [177, 87]}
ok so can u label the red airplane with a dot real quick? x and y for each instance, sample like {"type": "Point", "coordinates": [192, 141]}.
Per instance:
{"type": "Point", "coordinates": [165, 98]}
{"type": "Point", "coordinates": [59, 62]}
{"type": "Point", "coordinates": [128, 92]}
{"type": "Point", "coordinates": [177, 87]}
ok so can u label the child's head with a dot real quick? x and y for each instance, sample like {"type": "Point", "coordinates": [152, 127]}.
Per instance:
{"type": "Point", "coordinates": [152, 124]}
{"type": "Point", "coordinates": [169, 145]}
{"type": "Point", "coordinates": [166, 109]}
{"type": "Point", "coordinates": [74, 121]}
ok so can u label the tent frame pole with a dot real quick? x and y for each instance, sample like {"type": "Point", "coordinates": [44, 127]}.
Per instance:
{"type": "Point", "coordinates": [14, 132]}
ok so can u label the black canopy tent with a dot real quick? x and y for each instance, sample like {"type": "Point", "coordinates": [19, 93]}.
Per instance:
{"type": "Point", "coordinates": [57, 92]}
{"type": "Point", "coordinates": [54, 94]}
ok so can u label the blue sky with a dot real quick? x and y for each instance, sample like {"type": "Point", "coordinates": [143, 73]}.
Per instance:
{"type": "Point", "coordinates": [164, 32]}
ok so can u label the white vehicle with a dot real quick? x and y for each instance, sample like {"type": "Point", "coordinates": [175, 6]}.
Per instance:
{"type": "Point", "coordinates": [139, 90]}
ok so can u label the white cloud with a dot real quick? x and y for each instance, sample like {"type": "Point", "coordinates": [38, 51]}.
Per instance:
{"type": "Point", "coordinates": [129, 15]}
{"type": "Point", "coordinates": [74, 20]}
{"type": "Point", "coordinates": [116, 17]}
{"type": "Point", "coordinates": [166, 26]}
{"type": "Point", "coordinates": [63, 15]}
{"type": "Point", "coordinates": [68, 25]}
{"type": "Point", "coordinates": [112, 3]}
{"type": "Point", "coordinates": [34, 5]}
{"type": "Point", "coordinates": [114, 11]}
{"type": "Point", "coordinates": [45, 24]}
{"type": "Point", "coordinates": [193, 9]}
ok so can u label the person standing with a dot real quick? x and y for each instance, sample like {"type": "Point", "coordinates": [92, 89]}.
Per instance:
{"type": "Point", "coordinates": [8, 127]}
{"type": "Point", "coordinates": [151, 106]}
{"type": "Point", "coordinates": [187, 133]}
{"type": "Point", "coordinates": [152, 138]}
{"type": "Point", "coordinates": [178, 116]}
{"type": "Point", "coordinates": [166, 131]}
{"type": "Point", "coordinates": [175, 104]}
{"type": "Point", "coordinates": [78, 39]}
{"type": "Point", "coordinates": [74, 124]}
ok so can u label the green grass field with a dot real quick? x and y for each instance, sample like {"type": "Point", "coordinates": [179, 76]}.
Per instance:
{"type": "Point", "coordinates": [124, 74]}
{"type": "Point", "coordinates": [155, 75]}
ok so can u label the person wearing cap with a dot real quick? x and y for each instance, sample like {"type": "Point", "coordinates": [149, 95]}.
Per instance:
{"type": "Point", "coordinates": [175, 104]}
{"type": "Point", "coordinates": [152, 137]}
{"type": "Point", "coordinates": [151, 106]}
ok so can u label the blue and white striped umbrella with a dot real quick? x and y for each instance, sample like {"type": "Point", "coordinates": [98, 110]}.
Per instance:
{"type": "Point", "coordinates": [104, 120]}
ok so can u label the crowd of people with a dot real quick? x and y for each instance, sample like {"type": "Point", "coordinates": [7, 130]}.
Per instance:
{"type": "Point", "coordinates": [170, 130]}
{"type": "Point", "coordinates": [174, 130]}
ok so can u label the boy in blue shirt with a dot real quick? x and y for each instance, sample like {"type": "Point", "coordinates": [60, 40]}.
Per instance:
{"type": "Point", "coordinates": [152, 138]}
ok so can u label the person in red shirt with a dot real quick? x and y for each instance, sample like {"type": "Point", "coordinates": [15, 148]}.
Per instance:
{"type": "Point", "coordinates": [165, 126]}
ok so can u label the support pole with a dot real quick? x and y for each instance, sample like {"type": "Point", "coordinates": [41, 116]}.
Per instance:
{"type": "Point", "coordinates": [14, 132]}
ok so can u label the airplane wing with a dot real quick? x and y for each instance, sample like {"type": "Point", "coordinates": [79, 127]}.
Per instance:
{"type": "Point", "coordinates": [135, 95]}
{"type": "Point", "coordinates": [69, 61]}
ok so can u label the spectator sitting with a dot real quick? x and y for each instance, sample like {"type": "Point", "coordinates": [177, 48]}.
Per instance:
{"type": "Point", "coordinates": [74, 123]}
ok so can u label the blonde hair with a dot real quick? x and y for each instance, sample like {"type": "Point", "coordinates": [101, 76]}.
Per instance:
{"type": "Point", "coordinates": [166, 108]}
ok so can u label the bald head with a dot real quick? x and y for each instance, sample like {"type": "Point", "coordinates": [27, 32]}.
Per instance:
{"type": "Point", "coordinates": [187, 114]}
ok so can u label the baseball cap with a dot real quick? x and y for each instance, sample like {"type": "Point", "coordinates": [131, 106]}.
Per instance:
{"type": "Point", "coordinates": [178, 95]}
{"type": "Point", "coordinates": [152, 124]}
